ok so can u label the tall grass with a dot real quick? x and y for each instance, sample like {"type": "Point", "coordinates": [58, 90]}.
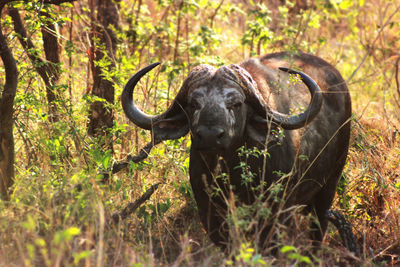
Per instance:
{"type": "Point", "coordinates": [60, 213]}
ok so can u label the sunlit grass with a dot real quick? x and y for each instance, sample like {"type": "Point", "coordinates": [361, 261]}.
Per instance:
{"type": "Point", "coordinates": [60, 213]}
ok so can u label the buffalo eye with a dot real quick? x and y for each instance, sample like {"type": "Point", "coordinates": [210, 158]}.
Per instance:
{"type": "Point", "coordinates": [194, 104]}
{"type": "Point", "coordinates": [234, 105]}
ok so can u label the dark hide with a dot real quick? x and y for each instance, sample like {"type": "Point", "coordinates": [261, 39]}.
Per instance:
{"type": "Point", "coordinates": [230, 107]}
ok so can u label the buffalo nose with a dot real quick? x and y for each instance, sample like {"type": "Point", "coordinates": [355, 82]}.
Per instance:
{"type": "Point", "coordinates": [209, 136]}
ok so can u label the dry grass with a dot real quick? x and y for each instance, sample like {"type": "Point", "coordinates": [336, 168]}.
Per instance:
{"type": "Point", "coordinates": [52, 222]}
{"type": "Point", "coordinates": [373, 174]}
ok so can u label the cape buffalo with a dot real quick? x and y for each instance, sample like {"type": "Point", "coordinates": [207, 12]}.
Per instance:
{"type": "Point", "coordinates": [299, 120]}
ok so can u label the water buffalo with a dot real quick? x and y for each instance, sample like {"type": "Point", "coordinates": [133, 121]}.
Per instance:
{"type": "Point", "coordinates": [300, 124]}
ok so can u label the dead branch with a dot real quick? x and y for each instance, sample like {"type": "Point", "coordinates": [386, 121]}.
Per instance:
{"type": "Point", "coordinates": [397, 77]}
{"type": "Point", "coordinates": [131, 207]}
{"type": "Point", "coordinates": [371, 47]}
{"type": "Point", "coordinates": [119, 166]}
{"type": "Point", "coordinates": [57, 2]}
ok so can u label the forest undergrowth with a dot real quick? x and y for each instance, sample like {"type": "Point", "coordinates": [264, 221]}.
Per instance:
{"type": "Point", "coordinates": [59, 211]}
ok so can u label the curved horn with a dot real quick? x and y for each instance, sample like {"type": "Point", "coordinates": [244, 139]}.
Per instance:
{"type": "Point", "coordinates": [291, 122]}
{"type": "Point", "coordinates": [137, 116]}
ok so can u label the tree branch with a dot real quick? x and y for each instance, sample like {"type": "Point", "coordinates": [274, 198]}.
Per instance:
{"type": "Point", "coordinates": [371, 46]}
{"type": "Point", "coordinates": [3, 3]}
{"type": "Point", "coordinates": [28, 45]}
{"type": "Point", "coordinates": [119, 166]}
{"type": "Point", "coordinates": [131, 207]}
{"type": "Point", "coordinates": [48, 68]}
{"type": "Point", "coordinates": [397, 76]}
{"type": "Point", "coordinates": [57, 2]}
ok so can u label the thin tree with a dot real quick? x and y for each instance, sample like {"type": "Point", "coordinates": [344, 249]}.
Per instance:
{"type": "Point", "coordinates": [49, 67]}
{"type": "Point", "coordinates": [6, 114]}
{"type": "Point", "coordinates": [103, 47]}
{"type": "Point", "coordinates": [47, 72]}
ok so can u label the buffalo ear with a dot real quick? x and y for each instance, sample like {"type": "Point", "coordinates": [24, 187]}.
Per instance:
{"type": "Point", "coordinates": [170, 128]}
{"type": "Point", "coordinates": [262, 131]}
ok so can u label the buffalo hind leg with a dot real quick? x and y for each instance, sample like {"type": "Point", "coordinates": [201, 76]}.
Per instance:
{"type": "Point", "coordinates": [322, 203]}
{"type": "Point", "coordinates": [345, 230]}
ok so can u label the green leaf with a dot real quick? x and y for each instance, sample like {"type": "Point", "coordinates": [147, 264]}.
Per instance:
{"type": "Point", "coordinates": [29, 224]}
{"type": "Point", "coordinates": [107, 160]}
{"type": "Point", "coordinates": [286, 249]}
{"type": "Point", "coordinates": [66, 235]}
{"type": "Point", "coordinates": [344, 5]}
{"type": "Point", "coordinates": [81, 255]}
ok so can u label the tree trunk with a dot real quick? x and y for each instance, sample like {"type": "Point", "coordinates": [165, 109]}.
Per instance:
{"type": "Point", "coordinates": [51, 50]}
{"type": "Point", "coordinates": [6, 117]}
{"type": "Point", "coordinates": [101, 117]}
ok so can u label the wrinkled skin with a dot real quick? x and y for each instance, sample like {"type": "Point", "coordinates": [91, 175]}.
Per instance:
{"type": "Point", "coordinates": [228, 108]}
{"type": "Point", "coordinates": [218, 116]}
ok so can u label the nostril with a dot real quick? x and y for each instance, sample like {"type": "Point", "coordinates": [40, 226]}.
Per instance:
{"type": "Point", "coordinates": [221, 134]}
{"type": "Point", "coordinates": [209, 136]}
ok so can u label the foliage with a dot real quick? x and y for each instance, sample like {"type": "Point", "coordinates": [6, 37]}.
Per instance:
{"type": "Point", "coordinates": [59, 210]}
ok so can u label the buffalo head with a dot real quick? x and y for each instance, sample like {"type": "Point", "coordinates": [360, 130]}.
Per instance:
{"type": "Point", "coordinates": [220, 107]}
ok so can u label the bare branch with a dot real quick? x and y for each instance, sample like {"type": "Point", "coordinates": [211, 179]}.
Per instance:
{"type": "Point", "coordinates": [397, 76]}
{"type": "Point", "coordinates": [28, 45]}
{"type": "Point", "coordinates": [131, 207]}
{"type": "Point", "coordinates": [371, 47]}
{"type": "Point", "coordinates": [119, 166]}
{"type": "Point", "coordinates": [57, 2]}
{"type": "Point", "coordinates": [212, 17]}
